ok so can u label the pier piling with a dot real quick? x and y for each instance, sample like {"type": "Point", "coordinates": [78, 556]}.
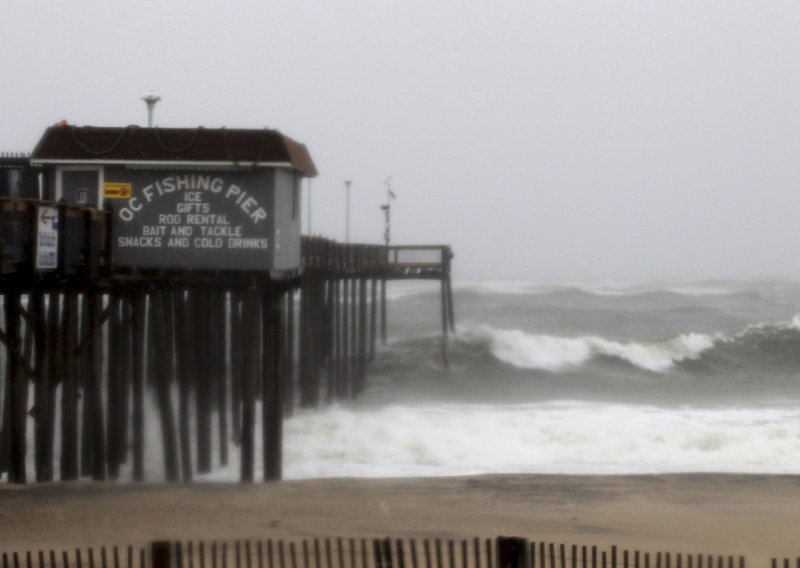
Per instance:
{"type": "Point", "coordinates": [88, 347]}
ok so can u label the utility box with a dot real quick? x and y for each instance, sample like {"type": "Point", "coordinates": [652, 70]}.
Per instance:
{"type": "Point", "coordinates": [205, 199]}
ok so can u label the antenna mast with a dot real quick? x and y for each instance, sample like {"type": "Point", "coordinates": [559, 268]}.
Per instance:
{"type": "Point", "coordinates": [150, 99]}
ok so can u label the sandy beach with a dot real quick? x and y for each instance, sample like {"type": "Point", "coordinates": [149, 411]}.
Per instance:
{"type": "Point", "coordinates": [755, 516]}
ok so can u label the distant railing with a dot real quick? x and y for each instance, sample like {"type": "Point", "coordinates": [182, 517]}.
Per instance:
{"type": "Point", "coordinates": [325, 254]}
{"type": "Point", "coordinates": [419, 256]}
{"type": "Point", "coordinates": [363, 553]}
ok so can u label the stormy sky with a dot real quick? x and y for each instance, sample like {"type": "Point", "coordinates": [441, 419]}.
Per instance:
{"type": "Point", "coordinates": [584, 140]}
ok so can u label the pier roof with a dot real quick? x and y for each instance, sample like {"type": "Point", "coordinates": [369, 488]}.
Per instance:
{"type": "Point", "coordinates": [172, 146]}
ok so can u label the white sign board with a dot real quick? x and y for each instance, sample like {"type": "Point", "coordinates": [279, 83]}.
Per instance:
{"type": "Point", "coordinates": [46, 238]}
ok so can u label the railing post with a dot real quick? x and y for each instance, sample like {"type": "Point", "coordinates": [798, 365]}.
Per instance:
{"type": "Point", "coordinates": [512, 552]}
{"type": "Point", "coordinates": [162, 554]}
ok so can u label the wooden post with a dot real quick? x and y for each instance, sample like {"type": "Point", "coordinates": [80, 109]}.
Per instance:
{"type": "Point", "coordinates": [114, 415]}
{"type": "Point", "coordinates": [55, 371]}
{"type": "Point", "coordinates": [183, 333]}
{"type": "Point", "coordinates": [373, 318]}
{"type": "Point", "coordinates": [512, 552]}
{"type": "Point", "coordinates": [150, 344]}
{"type": "Point", "coordinates": [363, 348]}
{"type": "Point", "coordinates": [346, 382]}
{"type": "Point", "coordinates": [288, 366]}
{"type": "Point", "coordinates": [163, 555]}
{"type": "Point", "coordinates": [237, 370]}
{"type": "Point", "coordinates": [84, 380]}
{"type": "Point", "coordinates": [5, 424]}
{"type": "Point", "coordinates": [303, 344]}
{"type": "Point", "coordinates": [203, 375]}
{"type": "Point", "coordinates": [18, 394]}
{"type": "Point", "coordinates": [383, 311]}
{"type": "Point", "coordinates": [272, 404]}
{"type": "Point", "coordinates": [69, 389]}
{"type": "Point", "coordinates": [336, 337]}
{"type": "Point", "coordinates": [222, 384]}
{"type": "Point", "coordinates": [94, 391]}
{"type": "Point", "coordinates": [137, 382]}
{"type": "Point", "coordinates": [323, 323]}
{"type": "Point", "coordinates": [163, 389]}
{"type": "Point", "coordinates": [123, 401]}
{"type": "Point", "coordinates": [330, 343]}
{"type": "Point", "coordinates": [355, 368]}
{"type": "Point", "coordinates": [315, 336]}
{"type": "Point", "coordinates": [446, 258]}
{"type": "Point", "coordinates": [445, 324]}
{"type": "Point", "coordinates": [308, 359]}
{"type": "Point", "coordinates": [252, 329]}
{"type": "Point", "coordinates": [450, 309]}
{"type": "Point", "coordinates": [43, 411]}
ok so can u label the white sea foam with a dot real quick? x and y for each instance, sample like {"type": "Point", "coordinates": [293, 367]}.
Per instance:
{"type": "Point", "coordinates": [558, 437]}
{"type": "Point", "coordinates": [551, 353]}
{"type": "Point", "coordinates": [570, 437]}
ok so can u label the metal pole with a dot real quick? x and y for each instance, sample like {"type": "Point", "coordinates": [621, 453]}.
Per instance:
{"type": "Point", "coordinates": [387, 234]}
{"type": "Point", "coordinates": [347, 211]}
{"type": "Point", "coordinates": [150, 99]}
{"type": "Point", "coordinates": [309, 207]}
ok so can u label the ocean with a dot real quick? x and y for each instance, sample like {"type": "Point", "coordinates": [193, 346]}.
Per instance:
{"type": "Point", "coordinates": [571, 379]}
{"type": "Point", "coordinates": [603, 379]}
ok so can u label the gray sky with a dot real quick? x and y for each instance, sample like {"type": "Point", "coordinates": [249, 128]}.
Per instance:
{"type": "Point", "coordinates": [553, 140]}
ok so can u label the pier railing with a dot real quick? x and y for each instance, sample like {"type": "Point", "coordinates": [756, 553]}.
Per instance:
{"type": "Point", "coordinates": [395, 261]}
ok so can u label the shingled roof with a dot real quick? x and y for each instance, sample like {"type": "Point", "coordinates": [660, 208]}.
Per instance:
{"type": "Point", "coordinates": [218, 146]}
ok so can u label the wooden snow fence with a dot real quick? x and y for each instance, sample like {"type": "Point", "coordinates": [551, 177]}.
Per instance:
{"type": "Point", "coordinates": [501, 552]}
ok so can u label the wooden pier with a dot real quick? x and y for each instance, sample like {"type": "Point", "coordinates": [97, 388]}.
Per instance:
{"type": "Point", "coordinates": [87, 343]}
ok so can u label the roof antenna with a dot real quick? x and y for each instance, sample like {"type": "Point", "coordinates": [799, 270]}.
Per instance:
{"type": "Point", "coordinates": [151, 99]}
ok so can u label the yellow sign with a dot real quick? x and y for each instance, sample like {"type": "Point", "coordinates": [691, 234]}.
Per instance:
{"type": "Point", "coordinates": [117, 190]}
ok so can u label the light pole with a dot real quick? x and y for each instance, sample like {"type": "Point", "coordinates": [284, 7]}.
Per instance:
{"type": "Point", "coordinates": [387, 209]}
{"type": "Point", "coordinates": [309, 207]}
{"type": "Point", "coordinates": [347, 183]}
{"type": "Point", "coordinates": [151, 99]}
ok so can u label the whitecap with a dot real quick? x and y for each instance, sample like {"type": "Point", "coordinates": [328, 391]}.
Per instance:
{"type": "Point", "coordinates": [552, 353]}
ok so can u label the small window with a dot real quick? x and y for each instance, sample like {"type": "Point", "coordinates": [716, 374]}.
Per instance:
{"type": "Point", "coordinates": [81, 187]}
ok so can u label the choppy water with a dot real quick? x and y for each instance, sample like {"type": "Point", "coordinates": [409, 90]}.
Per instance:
{"type": "Point", "coordinates": [564, 379]}
{"type": "Point", "coordinates": [570, 379]}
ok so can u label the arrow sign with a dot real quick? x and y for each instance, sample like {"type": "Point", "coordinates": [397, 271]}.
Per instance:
{"type": "Point", "coordinates": [116, 190]}
{"type": "Point", "coordinates": [47, 238]}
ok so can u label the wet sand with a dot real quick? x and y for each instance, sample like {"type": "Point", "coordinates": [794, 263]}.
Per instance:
{"type": "Point", "coordinates": [755, 516]}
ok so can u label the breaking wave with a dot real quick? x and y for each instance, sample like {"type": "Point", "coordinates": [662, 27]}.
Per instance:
{"type": "Point", "coordinates": [550, 353]}
{"type": "Point", "coordinates": [758, 344]}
